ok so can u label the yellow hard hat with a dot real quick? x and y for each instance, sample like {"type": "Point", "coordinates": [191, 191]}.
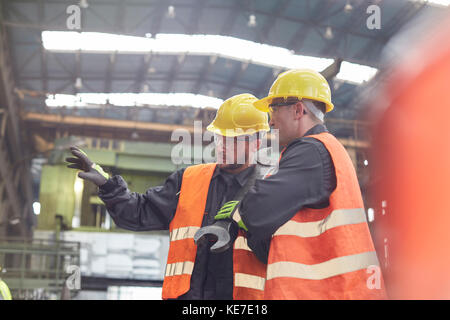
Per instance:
{"type": "Point", "coordinates": [300, 83]}
{"type": "Point", "coordinates": [237, 116]}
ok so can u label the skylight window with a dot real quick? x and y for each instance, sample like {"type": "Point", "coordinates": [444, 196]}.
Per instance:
{"type": "Point", "coordinates": [209, 45]}
{"type": "Point", "coordinates": [133, 99]}
{"type": "Point", "coordinates": [355, 73]}
{"type": "Point", "coordinates": [222, 46]}
{"type": "Point", "coordinates": [441, 3]}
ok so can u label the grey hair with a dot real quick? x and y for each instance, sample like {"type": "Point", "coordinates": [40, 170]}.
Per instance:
{"type": "Point", "coordinates": [316, 111]}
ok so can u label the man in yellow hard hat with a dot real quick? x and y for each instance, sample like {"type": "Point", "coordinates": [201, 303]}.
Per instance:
{"type": "Point", "coordinates": [189, 200]}
{"type": "Point", "coordinates": [5, 294]}
{"type": "Point", "coordinates": [312, 207]}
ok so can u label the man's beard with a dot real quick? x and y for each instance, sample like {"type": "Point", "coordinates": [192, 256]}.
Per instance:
{"type": "Point", "coordinates": [233, 166]}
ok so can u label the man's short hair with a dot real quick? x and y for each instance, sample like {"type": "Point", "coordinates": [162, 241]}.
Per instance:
{"type": "Point", "coordinates": [316, 109]}
{"type": "Point", "coordinates": [320, 105]}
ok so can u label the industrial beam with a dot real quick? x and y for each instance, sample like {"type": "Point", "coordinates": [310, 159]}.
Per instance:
{"type": "Point", "coordinates": [119, 28]}
{"type": "Point", "coordinates": [155, 26]}
{"type": "Point", "coordinates": [52, 120]}
{"type": "Point", "coordinates": [159, 77]}
{"type": "Point", "coordinates": [196, 13]}
{"type": "Point", "coordinates": [238, 71]}
{"type": "Point", "coordinates": [49, 126]}
{"type": "Point", "coordinates": [148, 131]}
{"type": "Point", "coordinates": [44, 69]}
{"type": "Point", "coordinates": [109, 72]}
{"type": "Point", "coordinates": [208, 66]}
{"type": "Point", "coordinates": [174, 70]}
{"type": "Point", "coordinates": [277, 10]}
{"type": "Point", "coordinates": [209, 63]}
{"type": "Point", "coordinates": [354, 19]}
{"type": "Point", "coordinates": [295, 43]}
{"type": "Point", "coordinates": [264, 84]}
{"type": "Point", "coordinates": [142, 73]}
{"type": "Point", "coordinates": [6, 82]}
{"type": "Point", "coordinates": [6, 173]}
{"type": "Point", "coordinates": [13, 150]}
{"type": "Point", "coordinates": [192, 28]}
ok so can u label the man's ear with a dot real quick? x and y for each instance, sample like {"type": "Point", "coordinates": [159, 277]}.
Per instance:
{"type": "Point", "coordinates": [299, 110]}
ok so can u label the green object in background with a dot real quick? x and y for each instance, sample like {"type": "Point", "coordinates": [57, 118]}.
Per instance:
{"type": "Point", "coordinates": [142, 165]}
{"type": "Point", "coordinates": [95, 200]}
{"type": "Point", "coordinates": [57, 195]}
{"type": "Point", "coordinates": [5, 294]}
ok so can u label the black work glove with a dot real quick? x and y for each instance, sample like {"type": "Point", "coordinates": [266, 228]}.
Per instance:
{"type": "Point", "coordinates": [91, 171]}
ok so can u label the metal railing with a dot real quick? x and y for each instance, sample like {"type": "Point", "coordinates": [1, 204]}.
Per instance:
{"type": "Point", "coordinates": [36, 269]}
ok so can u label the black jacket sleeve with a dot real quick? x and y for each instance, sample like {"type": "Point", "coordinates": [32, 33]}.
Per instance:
{"type": "Point", "coordinates": [152, 210]}
{"type": "Point", "coordinates": [305, 178]}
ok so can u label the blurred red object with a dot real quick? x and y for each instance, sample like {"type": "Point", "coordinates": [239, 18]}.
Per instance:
{"type": "Point", "coordinates": [411, 149]}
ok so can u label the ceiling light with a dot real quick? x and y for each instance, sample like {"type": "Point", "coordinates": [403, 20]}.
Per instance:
{"type": "Point", "coordinates": [251, 21]}
{"type": "Point", "coordinates": [348, 7]}
{"type": "Point", "coordinates": [329, 33]}
{"type": "Point", "coordinates": [171, 12]}
{"type": "Point", "coordinates": [78, 83]}
{"type": "Point", "coordinates": [84, 4]}
{"type": "Point", "coordinates": [94, 100]}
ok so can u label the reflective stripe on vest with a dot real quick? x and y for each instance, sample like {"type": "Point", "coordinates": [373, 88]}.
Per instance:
{"type": "Point", "coordinates": [242, 279]}
{"type": "Point", "coordinates": [249, 272]}
{"type": "Point", "coordinates": [183, 233]}
{"type": "Point", "coordinates": [325, 253]}
{"type": "Point", "coordinates": [179, 268]}
{"type": "Point", "coordinates": [327, 269]}
{"type": "Point", "coordinates": [337, 218]}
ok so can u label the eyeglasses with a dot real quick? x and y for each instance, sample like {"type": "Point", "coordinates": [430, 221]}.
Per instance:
{"type": "Point", "coordinates": [289, 102]}
{"type": "Point", "coordinates": [282, 102]}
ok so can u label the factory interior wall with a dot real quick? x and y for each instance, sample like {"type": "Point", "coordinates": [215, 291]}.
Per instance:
{"type": "Point", "coordinates": [56, 195]}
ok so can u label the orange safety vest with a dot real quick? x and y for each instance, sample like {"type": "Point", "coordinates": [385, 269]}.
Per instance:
{"type": "Point", "coordinates": [411, 145]}
{"type": "Point", "coordinates": [326, 253]}
{"type": "Point", "coordinates": [248, 271]}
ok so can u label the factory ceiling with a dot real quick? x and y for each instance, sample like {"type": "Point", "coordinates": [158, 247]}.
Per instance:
{"type": "Point", "coordinates": [333, 29]}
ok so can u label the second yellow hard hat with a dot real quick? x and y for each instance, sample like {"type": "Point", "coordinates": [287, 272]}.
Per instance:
{"type": "Point", "coordinates": [237, 116]}
{"type": "Point", "coordinates": [300, 83]}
